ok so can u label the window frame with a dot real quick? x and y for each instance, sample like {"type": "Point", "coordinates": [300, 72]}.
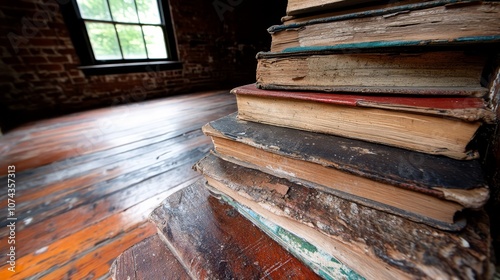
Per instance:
{"type": "Point", "coordinates": [90, 66]}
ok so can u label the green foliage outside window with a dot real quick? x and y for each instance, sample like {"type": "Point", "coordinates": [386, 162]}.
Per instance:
{"type": "Point", "coordinates": [124, 29]}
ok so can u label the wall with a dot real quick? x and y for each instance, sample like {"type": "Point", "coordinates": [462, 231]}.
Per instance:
{"type": "Point", "coordinates": [491, 161]}
{"type": "Point", "coordinates": [217, 43]}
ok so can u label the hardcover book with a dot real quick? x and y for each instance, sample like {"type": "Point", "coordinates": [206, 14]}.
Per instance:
{"type": "Point", "coordinates": [297, 7]}
{"type": "Point", "coordinates": [424, 188]}
{"type": "Point", "coordinates": [433, 125]}
{"type": "Point", "coordinates": [375, 5]}
{"type": "Point", "coordinates": [446, 21]}
{"type": "Point", "coordinates": [374, 69]}
{"type": "Point", "coordinates": [374, 244]}
{"type": "Point", "coordinates": [196, 226]}
{"type": "Point", "coordinates": [318, 259]}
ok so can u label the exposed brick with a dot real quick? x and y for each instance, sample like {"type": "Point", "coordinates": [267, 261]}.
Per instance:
{"type": "Point", "coordinates": [44, 42]}
{"type": "Point", "coordinates": [75, 73]}
{"type": "Point", "coordinates": [58, 59]}
{"type": "Point", "coordinates": [22, 86]}
{"type": "Point", "coordinates": [44, 91]}
{"type": "Point", "coordinates": [65, 51]}
{"type": "Point", "coordinates": [22, 68]}
{"type": "Point", "coordinates": [12, 60]}
{"type": "Point", "coordinates": [48, 51]}
{"type": "Point", "coordinates": [19, 52]}
{"type": "Point", "coordinates": [50, 67]}
{"type": "Point", "coordinates": [78, 80]}
{"type": "Point", "coordinates": [46, 64]}
{"type": "Point", "coordinates": [51, 75]}
{"type": "Point", "coordinates": [34, 60]}
{"type": "Point", "coordinates": [29, 77]}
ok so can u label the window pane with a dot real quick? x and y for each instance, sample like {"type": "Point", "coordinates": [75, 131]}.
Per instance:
{"type": "Point", "coordinates": [103, 40]}
{"type": "Point", "coordinates": [94, 9]}
{"type": "Point", "coordinates": [131, 41]}
{"type": "Point", "coordinates": [155, 42]}
{"type": "Point", "coordinates": [148, 11]}
{"type": "Point", "coordinates": [123, 10]}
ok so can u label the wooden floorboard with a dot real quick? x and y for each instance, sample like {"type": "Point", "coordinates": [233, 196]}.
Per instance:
{"type": "Point", "coordinates": [86, 182]}
{"type": "Point", "coordinates": [89, 139]}
{"type": "Point", "coordinates": [150, 259]}
{"type": "Point", "coordinates": [100, 184]}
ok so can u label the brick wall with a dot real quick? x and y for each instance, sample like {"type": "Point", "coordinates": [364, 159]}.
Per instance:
{"type": "Point", "coordinates": [217, 43]}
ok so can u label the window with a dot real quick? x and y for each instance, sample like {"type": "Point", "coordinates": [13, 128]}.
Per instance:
{"type": "Point", "coordinates": [117, 36]}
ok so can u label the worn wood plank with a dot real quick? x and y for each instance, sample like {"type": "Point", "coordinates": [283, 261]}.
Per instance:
{"type": "Point", "coordinates": [100, 135]}
{"type": "Point", "coordinates": [81, 268]}
{"type": "Point", "coordinates": [85, 143]}
{"type": "Point", "coordinates": [65, 169]}
{"type": "Point", "coordinates": [113, 131]}
{"type": "Point", "coordinates": [103, 182]}
{"type": "Point", "coordinates": [150, 259]}
{"type": "Point", "coordinates": [84, 242]}
{"type": "Point", "coordinates": [215, 242]}
{"type": "Point", "coordinates": [136, 116]}
{"type": "Point", "coordinates": [141, 198]}
{"type": "Point", "coordinates": [74, 204]}
{"type": "Point", "coordinates": [53, 205]}
{"type": "Point", "coordinates": [117, 113]}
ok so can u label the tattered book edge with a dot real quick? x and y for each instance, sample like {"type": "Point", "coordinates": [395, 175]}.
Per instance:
{"type": "Point", "coordinates": [403, 182]}
{"type": "Point", "coordinates": [459, 223]}
{"type": "Point", "coordinates": [431, 91]}
{"type": "Point", "coordinates": [369, 13]}
{"type": "Point", "coordinates": [464, 108]}
{"type": "Point", "coordinates": [297, 246]}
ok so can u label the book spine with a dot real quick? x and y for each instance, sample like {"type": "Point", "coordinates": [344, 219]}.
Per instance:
{"type": "Point", "coordinates": [347, 228]}
{"type": "Point", "coordinates": [320, 261]}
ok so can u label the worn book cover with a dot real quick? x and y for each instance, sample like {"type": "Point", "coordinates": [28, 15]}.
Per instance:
{"type": "Point", "coordinates": [396, 67]}
{"type": "Point", "coordinates": [212, 241]}
{"type": "Point", "coordinates": [375, 244]}
{"type": "Point", "coordinates": [464, 108]}
{"type": "Point", "coordinates": [297, 7]}
{"type": "Point", "coordinates": [445, 21]}
{"type": "Point", "coordinates": [426, 188]}
{"type": "Point", "coordinates": [319, 260]}
{"type": "Point", "coordinates": [434, 125]}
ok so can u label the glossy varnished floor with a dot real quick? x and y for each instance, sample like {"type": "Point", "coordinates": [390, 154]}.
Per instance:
{"type": "Point", "coordinates": [86, 183]}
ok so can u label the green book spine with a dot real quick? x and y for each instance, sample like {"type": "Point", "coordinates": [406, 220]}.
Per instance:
{"type": "Point", "coordinates": [318, 260]}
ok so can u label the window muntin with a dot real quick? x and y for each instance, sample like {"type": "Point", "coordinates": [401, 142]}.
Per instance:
{"type": "Point", "coordinates": [124, 30]}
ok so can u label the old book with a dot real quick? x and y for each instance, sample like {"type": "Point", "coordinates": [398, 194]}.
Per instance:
{"type": "Point", "coordinates": [297, 7]}
{"type": "Point", "coordinates": [322, 262]}
{"type": "Point", "coordinates": [433, 125]}
{"type": "Point", "coordinates": [212, 241]}
{"type": "Point", "coordinates": [376, 5]}
{"type": "Point", "coordinates": [448, 21]}
{"type": "Point", "coordinates": [421, 187]}
{"type": "Point", "coordinates": [375, 244]}
{"type": "Point", "coordinates": [374, 68]}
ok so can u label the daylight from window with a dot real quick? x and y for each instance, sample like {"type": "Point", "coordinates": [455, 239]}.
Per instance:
{"type": "Point", "coordinates": [124, 29]}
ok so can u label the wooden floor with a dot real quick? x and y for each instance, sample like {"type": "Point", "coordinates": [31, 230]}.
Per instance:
{"type": "Point", "coordinates": [86, 183]}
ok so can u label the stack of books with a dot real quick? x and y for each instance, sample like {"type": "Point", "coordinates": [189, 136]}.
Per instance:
{"type": "Point", "coordinates": [355, 148]}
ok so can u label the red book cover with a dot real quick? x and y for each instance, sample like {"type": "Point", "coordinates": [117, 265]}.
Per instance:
{"type": "Point", "coordinates": [465, 108]}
